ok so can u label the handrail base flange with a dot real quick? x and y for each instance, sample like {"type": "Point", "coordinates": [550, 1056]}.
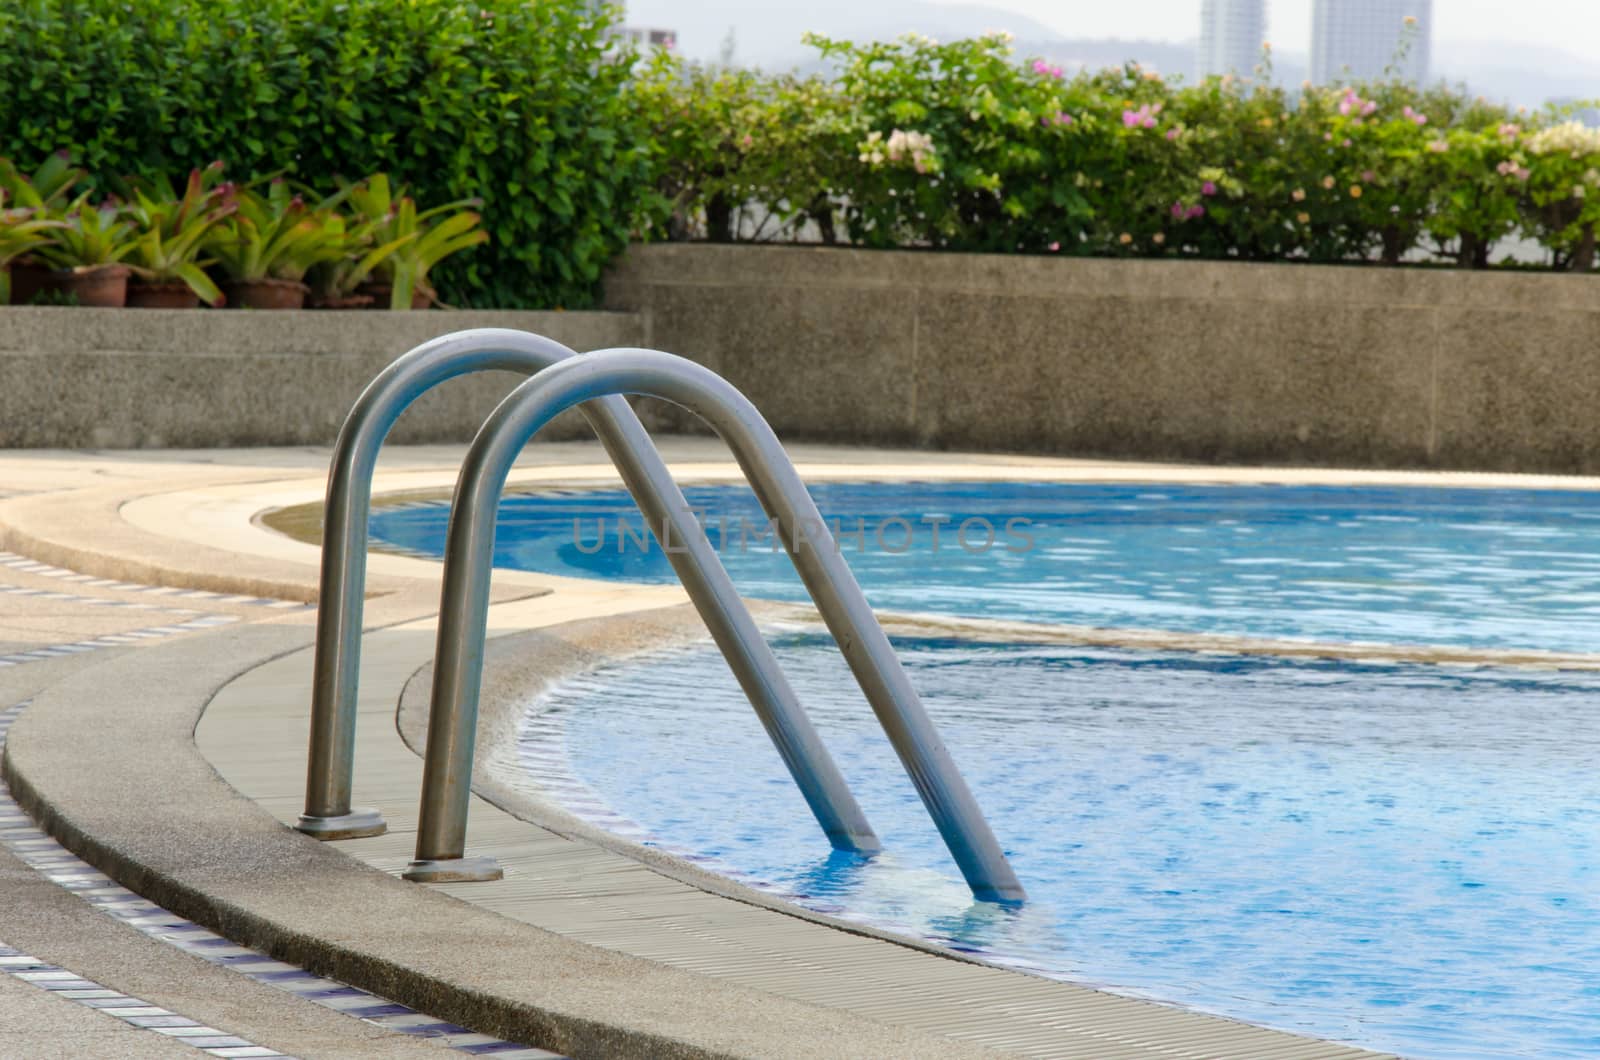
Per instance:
{"type": "Point", "coordinates": [357, 824]}
{"type": "Point", "coordinates": [453, 870]}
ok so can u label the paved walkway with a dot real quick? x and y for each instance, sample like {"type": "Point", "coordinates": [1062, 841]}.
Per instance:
{"type": "Point", "coordinates": [90, 969]}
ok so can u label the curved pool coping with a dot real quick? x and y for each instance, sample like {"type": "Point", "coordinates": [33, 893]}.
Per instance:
{"type": "Point", "coordinates": [205, 532]}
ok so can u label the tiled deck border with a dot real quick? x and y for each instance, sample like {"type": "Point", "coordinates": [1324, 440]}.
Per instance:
{"type": "Point", "coordinates": [35, 848]}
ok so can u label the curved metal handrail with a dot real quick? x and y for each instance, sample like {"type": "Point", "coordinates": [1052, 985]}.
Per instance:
{"type": "Point", "coordinates": [330, 765]}
{"type": "Point", "coordinates": [464, 602]}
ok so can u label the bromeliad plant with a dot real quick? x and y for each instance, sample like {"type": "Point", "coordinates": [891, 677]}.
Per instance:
{"type": "Point", "coordinates": [425, 246]}
{"type": "Point", "coordinates": [22, 232]}
{"type": "Point", "coordinates": [28, 203]}
{"type": "Point", "coordinates": [275, 236]}
{"type": "Point", "coordinates": [416, 240]}
{"type": "Point", "coordinates": [365, 248]}
{"type": "Point", "coordinates": [88, 237]}
{"type": "Point", "coordinates": [172, 229]}
{"type": "Point", "coordinates": [47, 188]}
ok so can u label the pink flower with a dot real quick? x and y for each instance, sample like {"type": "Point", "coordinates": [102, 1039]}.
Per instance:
{"type": "Point", "coordinates": [1143, 118]}
{"type": "Point", "coordinates": [1346, 142]}
{"type": "Point", "coordinates": [1063, 118]}
{"type": "Point", "coordinates": [1196, 211]}
{"type": "Point", "coordinates": [1208, 188]}
{"type": "Point", "coordinates": [1369, 176]}
{"type": "Point", "coordinates": [1328, 137]}
{"type": "Point", "coordinates": [1178, 210]}
{"type": "Point", "coordinates": [1509, 131]}
{"type": "Point", "coordinates": [1352, 103]}
{"type": "Point", "coordinates": [1044, 69]}
{"type": "Point", "coordinates": [1054, 247]}
{"type": "Point", "coordinates": [1415, 115]}
{"type": "Point", "coordinates": [1172, 134]}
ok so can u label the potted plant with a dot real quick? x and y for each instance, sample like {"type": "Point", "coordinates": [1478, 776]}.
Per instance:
{"type": "Point", "coordinates": [85, 254]}
{"type": "Point", "coordinates": [335, 282]}
{"type": "Point", "coordinates": [36, 197]}
{"type": "Point", "coordinates": [167, 256]}
{"type": "Point", "coordinates": [22, 231]}
{"type": "Point", "coordinates": [433, 243]}
{"type": "Point", "coordinates": [269, 243]}
{"type": "Point", "coordinates": [423, 238]}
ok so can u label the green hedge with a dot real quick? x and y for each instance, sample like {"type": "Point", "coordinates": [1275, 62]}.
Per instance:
{"type": "Point", "coordinates": [965, 146]}
{"type": "Point", "coordinates": [512, 101]}
{"type": "Point", "coordinates": [574, 147]}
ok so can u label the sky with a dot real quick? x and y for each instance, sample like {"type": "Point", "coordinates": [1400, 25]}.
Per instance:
{"type": "Point", "coordinates": [1569, 25]}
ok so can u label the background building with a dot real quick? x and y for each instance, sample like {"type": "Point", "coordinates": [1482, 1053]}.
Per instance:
{"type": "Point", "coordinates": [1231, 35]}
{"type": "Point", "coordinates": [1360, 39]}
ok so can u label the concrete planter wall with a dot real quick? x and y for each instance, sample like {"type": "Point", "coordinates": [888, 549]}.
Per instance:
{"type": "Point", "coordinates": [1148, 360]}
{"type": "Point", "coordinates": [128, 378]}
{"type": "Point", "coordinates": [1152, 360]}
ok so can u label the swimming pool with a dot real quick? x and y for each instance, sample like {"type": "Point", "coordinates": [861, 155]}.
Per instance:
{"type": "Point", "coordinates": [1401, 856]}
{"type": "Point", "coordinates": [1463, 567]}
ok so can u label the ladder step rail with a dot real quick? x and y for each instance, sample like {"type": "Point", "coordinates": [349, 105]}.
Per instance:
{"type": "Point", "coordinates": [464, 601]}
{"type": "Point", "coordinates": [331, 758]}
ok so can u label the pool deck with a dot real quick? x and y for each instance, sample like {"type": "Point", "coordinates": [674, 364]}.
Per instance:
{"type": "Point", "coordinates": [170, 761]}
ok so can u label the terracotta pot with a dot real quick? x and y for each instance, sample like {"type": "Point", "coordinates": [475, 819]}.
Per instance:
{"type": "Point", "coordinates": [267, 294]}
{"type": "Point", "coordinates": [380, 293]}
{"type": "Point", "coordinates": [28, 279]}
{"type": "Point", "coordinates": [353, 301]}
{"type": "Point", "coordinates": [162, 296]}
{"type": "Point", "coordinates": [103, 287]}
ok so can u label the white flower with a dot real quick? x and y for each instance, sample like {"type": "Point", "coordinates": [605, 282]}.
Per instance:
{"type": "Point", "coordinates": [1571, 138]}
{"type": "Point", "coordinates": [900, 146]}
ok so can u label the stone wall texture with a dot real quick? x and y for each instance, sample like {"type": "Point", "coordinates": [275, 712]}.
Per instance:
{"type": "Point", "coordinates": [1152, 360]}
{"type": "Point", "coordinates": [150, 378]}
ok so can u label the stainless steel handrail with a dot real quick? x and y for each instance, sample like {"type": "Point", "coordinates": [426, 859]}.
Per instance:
{"type": "Point", "coordinates": [464, 602]}
{"type": "Point", "coordinates": [330, 765]}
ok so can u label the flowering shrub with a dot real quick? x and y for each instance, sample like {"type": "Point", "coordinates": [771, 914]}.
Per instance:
{"type": "Point", "coordinates": [963, 146]}
{"type": "Point", "coordinates": [575, 147]}
{"type": "Point", "coordinates": [741, 155]}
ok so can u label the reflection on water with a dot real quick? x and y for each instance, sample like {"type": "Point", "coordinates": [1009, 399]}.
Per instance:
{"type": "Point", "coordinates": [1401, 856]}
{"type": "Point", "coordinates": [1480, 568]}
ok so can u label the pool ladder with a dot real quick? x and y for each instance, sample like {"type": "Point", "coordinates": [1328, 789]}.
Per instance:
{"type": "Point", "coordinates": [595, 382]}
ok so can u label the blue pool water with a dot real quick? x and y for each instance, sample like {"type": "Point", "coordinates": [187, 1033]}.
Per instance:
{"type": "Point", "coordinates": [1404, 857]}
{"type": "Point", "coordinates": [1401, 856]}
{"type": "Point", "coordinates": [1476, 568]}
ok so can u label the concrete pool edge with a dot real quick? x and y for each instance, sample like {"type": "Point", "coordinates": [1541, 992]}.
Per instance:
{"type": "Point", "coordinates": [591, 894]}
{"type": "Point", "coordinates": [216, 857]}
